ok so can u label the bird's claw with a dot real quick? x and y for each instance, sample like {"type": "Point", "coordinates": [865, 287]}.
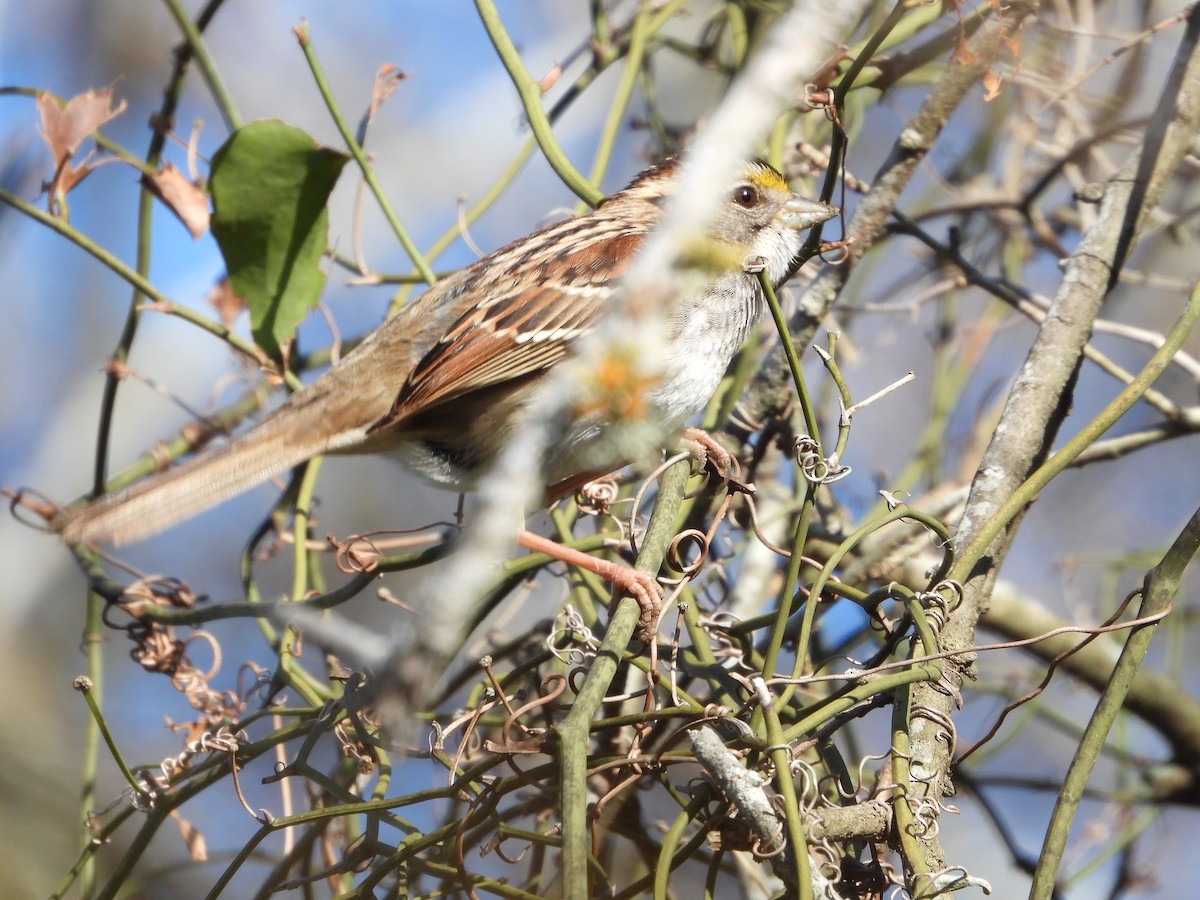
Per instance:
{"type": "Point", "coordinates": [706, 449]}
{"type": "Point", "coordinates": [645, 589]}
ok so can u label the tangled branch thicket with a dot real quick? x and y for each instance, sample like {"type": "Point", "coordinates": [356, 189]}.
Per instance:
{"type": "Point", "coordinates": [860, 625]}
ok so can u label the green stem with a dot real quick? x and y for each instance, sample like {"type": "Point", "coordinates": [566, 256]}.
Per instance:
{"type": "Point", "coordinates": [835, 373]}
{"type": "Point", "coordinates": [93, 646]}
{"type": "Point", "coordinates": [781, 757]}
{"type": "Point", "coordinates": [142, 288]}
{"type": "Point", "coordinates": [883, 684]}
{"type": "Point", "coordinates": [356, 150]}
{"type": "Point", "coordinates": [112, 382]}
{"type": "Point", "coordinates": [793, 359]}
{"type": "Point", "coordinates": [783, 609]}
{"type": "Point", "coordinates": [166, 113]}
{"type": "Point", "coordinates": [300, 555]}
{"type": "Point", "coordinates": [902, 809]}
{"type": "Point", "coordinates": [818, 586]}
{"type": "Point", "coordinates": [620, 104]}
{"type": "Point", "coordinates": [530, 93]}
{"type": "Point", "coordinates": [288, 642]}
{"type": "Point", "coordinates": [290, 672]}
{"type": "Point", "coordinates": [572, 734]}
{"type": "Point", "coordinates": [837, 147]}
{"type": "Point", "coordinates": [1159, 588]}
{"type": "Point", "coordinates": [208, 69]}
{"type": "Point", "coordinates": [666, 852]}
{"type": "Point", "coordinates": [84, 686]}
{"type": "Point", "coordinates": [800, 537]}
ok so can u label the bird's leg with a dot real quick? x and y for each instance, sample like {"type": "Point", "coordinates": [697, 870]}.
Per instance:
{"type": "Point", "coordinates": [640, 585]}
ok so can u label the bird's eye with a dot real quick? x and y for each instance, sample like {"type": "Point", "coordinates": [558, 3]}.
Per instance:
{"type": "Point", "coordinates": [745, 195]}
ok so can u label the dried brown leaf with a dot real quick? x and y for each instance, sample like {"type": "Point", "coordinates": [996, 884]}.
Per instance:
{"type": "Point", "coordinates": [197, 846]}
{"type": "Point", "coordinates": [963, 55]}
{"type": "Point", "coordinates": [182, 197]}
{"type": "Point", "coordinates": [386, 81]}
{"type": "Point", "coordinates": [71, 174]}
{"type": "Point", "coordinates": [227, 304]}
{"type": "Point", "coordinates": [991, 86]}
{"type": "Point", "coordinates": [65, 127]}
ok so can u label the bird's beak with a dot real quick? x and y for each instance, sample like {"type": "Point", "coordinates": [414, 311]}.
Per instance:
{"type": "Point", "coordinates": [799, 213]}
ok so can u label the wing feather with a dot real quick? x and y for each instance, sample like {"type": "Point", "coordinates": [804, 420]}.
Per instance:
{"type": "Point", "coordinates": [518, 332]}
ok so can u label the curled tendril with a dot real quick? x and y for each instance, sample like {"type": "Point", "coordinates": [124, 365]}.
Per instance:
{"type": "Point", "coordinates": [768, 849]}
{"type": "Point", "coordinates": [569, 625]}
{"type": "Point", "coordinates": [647, 482]}
{"type": "Point", "coordinates": [827, 857]}
{"type": "Point", "coordinates": [597, 497]}
{"type": "Point", "coordinates": [835, 253]}
{"type": "Point", "coordinates": [550, 690]}
{"type": "Point", "coordinates": [158, 590]}
{"type": "Point", "coordinates": [752, 509]}
{"type": "Point", "coordinates": [25, 503]}
{"type": "Point", "coordinates": [223, 740]}
{"type": "Point", "coordinates": [754, 264]}
{"type": "Point", "coordinates": [814, 467]}
{"type": "Point", "coordinates": [947, 732]}
{"type": "Point", "coordinates": [723, 647]}
{"type": "Point", "coordinates": [260, 681]}
{"type": "Point", "coordinates": [936, 610]}
{"type": "Point", "coordinates": [497, 844]}
{"type": "Point", "coordinates": [817, 96]}
{"type": "Point", "coordinates": [879, 788]}
{"type": "Point", "coordinates": [364, 756]}
{"type": "Point", "coordinates": [956, 591]}
{"type": "Point", "coordinates": [925, 824]}
{"type": "Point", "coordinates": [157, 650]}
{"type": "Point", "coordinates": [809, 794]}
{"type": "Point", "coordinates": [938, 606]}
{"type": "Point", "coordinates": [356, 554]}
{"type": "Point", "coordinates": [676, 549]}
{"type": "Point", "coordinates": [143, 800]}
{"type": "Point", "coordinates": [946, 686]}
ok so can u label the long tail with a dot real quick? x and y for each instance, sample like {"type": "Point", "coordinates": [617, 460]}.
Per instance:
{"type": "Point", "coordinates": [157, 502]}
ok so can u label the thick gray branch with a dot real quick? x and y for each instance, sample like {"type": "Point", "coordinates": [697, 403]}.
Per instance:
{"type": "Point", "coordinates": [747, 791]}
{"type": "Point", "coordinates": [1041, 394]}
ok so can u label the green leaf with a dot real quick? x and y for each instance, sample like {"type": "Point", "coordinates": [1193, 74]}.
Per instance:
{"type": "Point", "coordinates": [270, 183]}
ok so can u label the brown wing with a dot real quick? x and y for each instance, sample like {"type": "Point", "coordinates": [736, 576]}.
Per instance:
{"type": "Point", "coordinates": [513, 333]}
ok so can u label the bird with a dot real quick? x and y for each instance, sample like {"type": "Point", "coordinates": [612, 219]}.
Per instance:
{"type": "Point", "coordinates": [444, 382]}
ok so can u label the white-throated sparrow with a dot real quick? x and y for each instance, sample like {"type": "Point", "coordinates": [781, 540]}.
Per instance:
{"type": "Point", "coordinates": [443, 383]}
